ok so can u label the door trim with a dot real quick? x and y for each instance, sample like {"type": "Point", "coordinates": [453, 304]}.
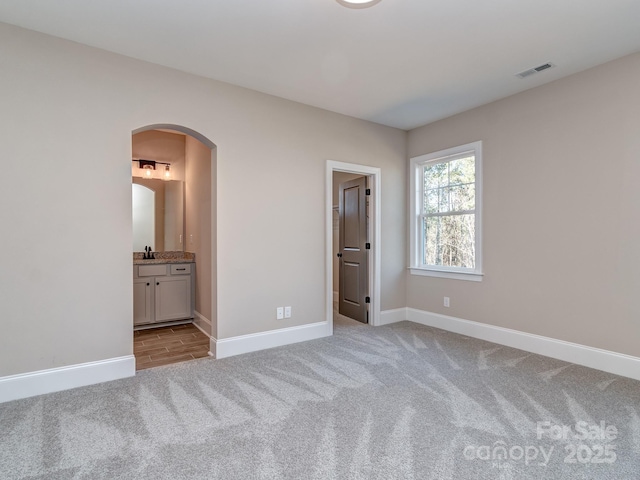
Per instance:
{"type": "Point", "coordinates": [374, 173]}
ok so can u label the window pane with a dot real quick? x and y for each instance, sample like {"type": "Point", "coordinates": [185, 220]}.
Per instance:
{"type": "Point", "coordinates": [462, 197]}
{"type": "Point", "coordinates": [436, 175]}
{"type": "Point", "coordinates": [462, 170]}
{"type": "Point", "coordinates": [449, 186]}
{"type": "Point", "coordinates": [443, 200]}
{"type": "Point", "coordinates": [450, 199]}
{"type": "Point", "coordinates": [446, 199]}
{"type": "Point", "coordinates": [449, 241]}
{"type": "Point", "coordinates": [432, 200]}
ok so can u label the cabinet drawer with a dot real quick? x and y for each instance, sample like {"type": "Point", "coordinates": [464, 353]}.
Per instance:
{"type": "Point", "coordinates": [181, 269]}
{"type": "Point", "coordinates": [152, 270]}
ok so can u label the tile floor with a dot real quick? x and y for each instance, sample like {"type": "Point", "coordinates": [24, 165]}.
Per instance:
{"type": "Point", "coordinates": [165, 345]}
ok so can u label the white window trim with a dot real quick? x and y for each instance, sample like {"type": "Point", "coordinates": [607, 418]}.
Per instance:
{"type": "Point", "coordinates": [415, 200]}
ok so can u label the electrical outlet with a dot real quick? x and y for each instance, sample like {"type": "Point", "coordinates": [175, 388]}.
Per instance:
{"type": "Point", "coordinates": [287, 312]}
{"type": "Point", "coordinates": [279, 313]}
{"type": "Point", "coordinates": [446, 302]}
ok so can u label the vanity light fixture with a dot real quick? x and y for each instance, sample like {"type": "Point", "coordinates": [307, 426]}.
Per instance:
{"type": "Point", "coordinates": [358, 3]}
{"type": "Point", "coordinates": [148, 168]}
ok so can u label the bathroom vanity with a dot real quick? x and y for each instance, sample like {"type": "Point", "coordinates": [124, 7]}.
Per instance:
{"type": "Point", "coordinates": [163, 289]}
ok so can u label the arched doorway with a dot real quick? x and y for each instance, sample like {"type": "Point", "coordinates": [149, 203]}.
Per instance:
{"type": "Point", "coordinates": [192, 162]}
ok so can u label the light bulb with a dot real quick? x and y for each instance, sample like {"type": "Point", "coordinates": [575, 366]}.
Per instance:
{"type": "Point", "coordinates": [167, 172]}
{"type": "Point", "coordinates": [147, 171]}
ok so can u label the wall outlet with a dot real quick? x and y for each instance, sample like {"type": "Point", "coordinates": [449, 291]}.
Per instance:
{"type": "Point", "coordinates": [287, 312]}
{"type": "Point", "coordinates": [446, 302]}
{"type": "Point", "coordinates": [279, 313]}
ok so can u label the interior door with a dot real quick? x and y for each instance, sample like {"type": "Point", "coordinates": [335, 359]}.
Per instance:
{"type": "Point", "coordinates": [353, 282]}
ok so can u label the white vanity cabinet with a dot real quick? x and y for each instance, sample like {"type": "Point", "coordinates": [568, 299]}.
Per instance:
{"type": "Point", "coordinates": [162, 293]}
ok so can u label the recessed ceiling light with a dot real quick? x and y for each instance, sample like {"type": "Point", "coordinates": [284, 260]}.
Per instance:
{"type": "Point", "coordinates": [358, 3]}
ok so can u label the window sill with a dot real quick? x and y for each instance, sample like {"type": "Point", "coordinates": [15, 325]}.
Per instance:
{"type": "Point", "coordinates": [468, 276]}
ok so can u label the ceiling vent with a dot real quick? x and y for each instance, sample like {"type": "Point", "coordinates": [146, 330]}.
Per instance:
{"type": "Point", "coordinates": [534, 70]}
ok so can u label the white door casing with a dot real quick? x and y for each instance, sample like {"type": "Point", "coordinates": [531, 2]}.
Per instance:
{"type": "Point", "coordinates": [374, 174]}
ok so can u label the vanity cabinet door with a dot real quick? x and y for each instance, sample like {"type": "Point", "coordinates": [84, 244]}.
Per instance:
{"type": "Point", "coordinates": [142, 306]}
{"type": "Point", "coordinates": [173, 297]}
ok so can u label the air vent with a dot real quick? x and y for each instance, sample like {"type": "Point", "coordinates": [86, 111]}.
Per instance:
{"type": "Point", "coordinates": [534, 70]}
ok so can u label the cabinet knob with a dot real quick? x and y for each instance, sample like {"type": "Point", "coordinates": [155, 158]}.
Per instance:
{"type": "Point", "coordinates": [148, 284]}
{"type": "Point", "coordinates": [339, 255]}
{"type": "Point", "coordinates": [157, 283]}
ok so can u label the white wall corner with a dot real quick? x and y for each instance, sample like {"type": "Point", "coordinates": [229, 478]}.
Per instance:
{"type": "Point", "coordinates": [393, 316]}
{"type": "Point", "coordinates": [52, 380]}
{"type": "Point", "coordinates": [227, 347]}
{"type": "Point", "coordinates": [605, 360]}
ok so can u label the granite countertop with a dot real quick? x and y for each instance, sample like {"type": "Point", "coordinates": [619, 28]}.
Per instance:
{"type": "Point", "coordinates": [164, 257]}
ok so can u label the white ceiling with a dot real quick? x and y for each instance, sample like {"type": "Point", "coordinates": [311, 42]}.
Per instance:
{"type": "Point", "coordinates": [402, 63]}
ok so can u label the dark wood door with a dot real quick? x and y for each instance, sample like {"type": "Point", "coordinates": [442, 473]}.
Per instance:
{"type": "Point", "coordinates": [353, 288]}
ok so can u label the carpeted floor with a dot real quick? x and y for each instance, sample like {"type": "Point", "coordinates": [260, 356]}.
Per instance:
{"type": "Point", "coordinates": [396, 402]}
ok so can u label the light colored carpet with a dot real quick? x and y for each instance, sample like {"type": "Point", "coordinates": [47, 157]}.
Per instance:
{"type": "Point", "coordinates": [397, 402]}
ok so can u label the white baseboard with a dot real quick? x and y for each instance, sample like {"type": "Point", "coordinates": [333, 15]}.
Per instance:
{"type": "Point", "coordinates": [31, 384]}
{"type": "Point", "coordinates": [605, 360]}
{"type": "Point", "coordinates": [336, 297]}
{"type": "Point", "coordinates": [392, 316]}
{"type": "Point", "coordinates": [228, 347]}
{"type": "Point", "coordinates": [199, 320]}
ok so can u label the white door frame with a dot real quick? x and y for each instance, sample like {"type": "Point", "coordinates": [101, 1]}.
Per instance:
{"type": "Point", "coordinates": [374, 231]}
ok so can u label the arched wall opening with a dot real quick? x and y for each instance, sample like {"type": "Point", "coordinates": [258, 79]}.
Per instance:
{"type": "Point", "coordinates": [196, 158]}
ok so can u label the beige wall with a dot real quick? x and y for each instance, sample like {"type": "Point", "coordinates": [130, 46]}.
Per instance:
{"type": "Point", "coordinates": [198, 219]}
{"type": "Point", "coordinates": [561, 208]}
{"type": "Point", "coordinates": [65, 134]}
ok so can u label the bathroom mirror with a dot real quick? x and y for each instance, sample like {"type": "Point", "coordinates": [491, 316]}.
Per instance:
{"type": "Point", "coordinates": [158, 214]}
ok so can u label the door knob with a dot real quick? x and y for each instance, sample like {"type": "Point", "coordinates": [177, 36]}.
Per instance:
{"type": "Point", "coordinates": [339, 255]}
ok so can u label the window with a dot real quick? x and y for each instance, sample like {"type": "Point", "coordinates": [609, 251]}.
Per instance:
{"type": "Point", "coordinates": [446, 213]}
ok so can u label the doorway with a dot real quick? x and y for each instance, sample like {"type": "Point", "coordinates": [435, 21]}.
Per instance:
{"type": "Point", "coordinates": [344, 171]}
{"type": "Point", "coordinates": [185, 233]}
